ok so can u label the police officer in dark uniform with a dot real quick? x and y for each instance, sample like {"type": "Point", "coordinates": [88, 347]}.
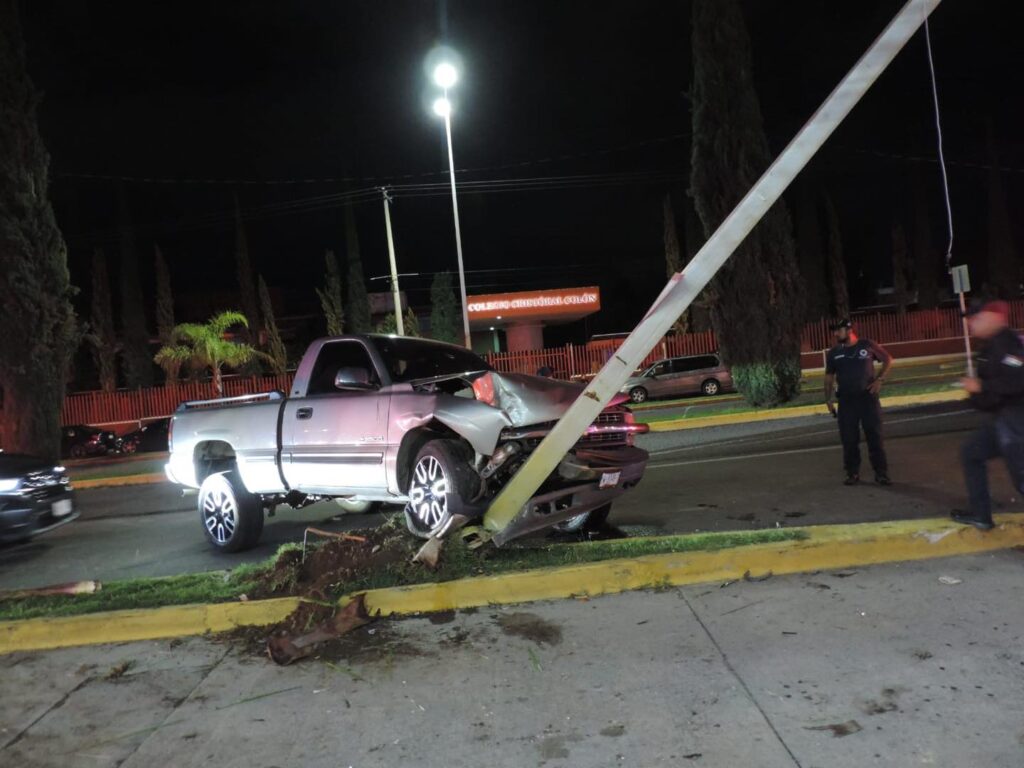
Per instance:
{"type": "Point", "coordinates": [998, 390]}
{"type": "Point", "coordinates": [851, 365]}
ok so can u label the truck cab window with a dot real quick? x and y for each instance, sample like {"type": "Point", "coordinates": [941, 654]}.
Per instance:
{"type": "Point", "coordinates": [335, 355]}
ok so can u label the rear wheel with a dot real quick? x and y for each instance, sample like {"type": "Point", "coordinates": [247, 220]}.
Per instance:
{"type": "Point", "coordinates": [711, 387]}
{"type": "Point", "coordinates": [232, 518]}
{"type": "Point", "coordinates": [441, 485]}
{"type": "Point", "coordinates": [638, 395]}
{"type": "Point", "coordinates": [78, 451]}
{"type": "Point", "coordinates": [588, 521]}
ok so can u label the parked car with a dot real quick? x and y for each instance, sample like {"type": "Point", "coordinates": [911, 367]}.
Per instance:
{"type": "Point", "coordinates": [390, 419]}
{"type": "Point", "coordinates": [695, 374]}
{"type": "Point", "coordinates": [79, 441]}
{"type": "Point", "coordinates": [35, 497]}
{"type": "Point", "coordinates": [149, 438]}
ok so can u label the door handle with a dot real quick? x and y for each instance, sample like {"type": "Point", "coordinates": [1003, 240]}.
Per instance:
{"type": "Point", "coordinates": [304, 413]}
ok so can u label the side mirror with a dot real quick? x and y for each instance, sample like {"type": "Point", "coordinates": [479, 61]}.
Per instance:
{"type": "Point", "coordinates": [352, 378]}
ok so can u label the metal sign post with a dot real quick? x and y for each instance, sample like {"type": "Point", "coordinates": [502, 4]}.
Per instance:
{"type": "Point", "coordinates": [684, 286]}
{"type": "Point", "coordinates": [962, 285]}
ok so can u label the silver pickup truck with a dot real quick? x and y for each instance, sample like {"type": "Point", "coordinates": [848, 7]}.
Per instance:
{"type": "Point", "coordinates": [396, 420]}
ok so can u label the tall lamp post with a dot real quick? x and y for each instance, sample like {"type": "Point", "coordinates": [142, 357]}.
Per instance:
{"type": "Point", "coordinates": [445, 76]}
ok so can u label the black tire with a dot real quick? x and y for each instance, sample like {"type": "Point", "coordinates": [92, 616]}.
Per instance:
{"type": "Point", "coordinates": [232, 518]}
{"type": "Point", "coordinates": [638, 395]}
{"type": "Point", "coordinates": [442, 482]}
{"type": "Point", "coordinates": [588, 521]}
{"type": "Point", "coordinates": [129, 447]}
{"type": "Point", "coordinates": [78, 452]}
{"type": "Point", "coordinates": [711, 387]}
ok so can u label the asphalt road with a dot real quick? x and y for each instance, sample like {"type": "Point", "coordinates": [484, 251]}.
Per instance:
{"type": "Point", "coordinates": [732, 477]}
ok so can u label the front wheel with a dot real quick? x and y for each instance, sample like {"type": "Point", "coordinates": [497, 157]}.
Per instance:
{"type": "Point", "coordinates": [711, 387]}
{"type": "Point", "coordinates": [441, 485]}
{"type": "Point", "coordinates": [588, 521]}
{"type": "Point", "coordinates": [232, 517]}
{"type": "Point", "coordinates": [638, 395]}
{"type": "Point", "coordinates": [358, 507]}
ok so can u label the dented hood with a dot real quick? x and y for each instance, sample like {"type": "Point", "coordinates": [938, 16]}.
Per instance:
{"type": "Point", "coordinates": [527, 399]}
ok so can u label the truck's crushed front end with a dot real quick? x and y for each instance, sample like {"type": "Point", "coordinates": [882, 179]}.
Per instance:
{"type": "Point", "coordinates": [602, 465]}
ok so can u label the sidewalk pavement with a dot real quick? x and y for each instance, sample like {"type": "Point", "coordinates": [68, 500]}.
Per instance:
{"type": "Point", "coordinates": [879, 666]}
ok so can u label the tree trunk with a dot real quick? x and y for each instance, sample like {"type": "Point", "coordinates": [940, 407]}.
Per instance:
{"type": "Point", "coordinates": [758, 312]}
{"type": "Point", "coordinates": [218, 383]}
{"type": "Point", "coordinates": [36, 318]}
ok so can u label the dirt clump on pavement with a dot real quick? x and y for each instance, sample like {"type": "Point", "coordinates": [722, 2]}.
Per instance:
{"type": "Point", "coordinates": [530, 627]}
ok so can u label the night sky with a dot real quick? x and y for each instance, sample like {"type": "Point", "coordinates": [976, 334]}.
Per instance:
{"type": "Point", "coordinates": [268, 92]}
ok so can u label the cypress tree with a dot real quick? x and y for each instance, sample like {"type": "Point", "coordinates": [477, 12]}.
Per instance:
{"type": "Point", "coordinates": [330, 297]}
{"type": "Point", "coordinates": [810, 252]}
{"type": "Point", "coordinates": [359, 315]}
{"type": "Point", "coordinates": [899, 268]}
{"type": "Point", "coordinates": [926, 261]}
{"type": "Point", "coordinates": [102, 336]}
{"type": "Point", "coordinates": [1004, 269]}
{"type": "Point", "coordinates": [836, 262]}
{"type": "Point", "coordinates": [444, 310]}
{"type": "Point", "coordinates": [758, 312]}
{"type": "Point", "coordinates": [277, 355]}
{"type": "Point", "coordinates": [243, 272]}
{"type": "Point", "coordinates": [165, 315]}
{"type": "Point", "coordinates": [137, 360]}
{"type": "Point", "coordinates": [36, 316]}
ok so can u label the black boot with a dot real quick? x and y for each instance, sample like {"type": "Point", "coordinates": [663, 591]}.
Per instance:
{"type": "Point", "coordinates": [964, 518]}
{"type": "Point", "coordinates": [882, 478]}
{"type": "Point", "coordinates": [852, 478]}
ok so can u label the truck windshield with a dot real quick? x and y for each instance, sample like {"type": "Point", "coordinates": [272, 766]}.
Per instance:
{"type": "Point", "coordinates": [411, 359]}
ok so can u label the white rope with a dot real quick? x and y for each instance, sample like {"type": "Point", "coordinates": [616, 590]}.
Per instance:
{"type": "Point", "coordinates": [942, 156]}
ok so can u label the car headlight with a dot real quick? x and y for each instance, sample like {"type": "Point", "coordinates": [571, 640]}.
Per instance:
{"type": "Point", "coordinates": [8, 484]}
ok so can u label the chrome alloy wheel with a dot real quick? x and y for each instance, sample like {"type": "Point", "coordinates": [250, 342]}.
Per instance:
{"type": "Point", "coordinates": [428, 493]}
{"type": "Point", "coordinates": [220, 514]}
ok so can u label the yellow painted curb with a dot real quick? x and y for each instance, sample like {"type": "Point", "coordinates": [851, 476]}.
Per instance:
{"type": "Point", "coordinates": [793, 413]}
{"type": "Point", "coordinates": [827, 547]}
{"type": "Point", "coordinates": [113, 482]}
{"type": "Point", "coordinates": [141, 624]}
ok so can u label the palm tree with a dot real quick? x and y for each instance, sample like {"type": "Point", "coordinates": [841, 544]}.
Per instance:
{"type": "Point", "coordinates": [203, 345]}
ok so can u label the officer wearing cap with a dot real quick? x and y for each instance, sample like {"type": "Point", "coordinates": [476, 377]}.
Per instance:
{"type": "Point", "coordinates": [998, 390]}
{"type": "Point", "coordinates": [851, 365]}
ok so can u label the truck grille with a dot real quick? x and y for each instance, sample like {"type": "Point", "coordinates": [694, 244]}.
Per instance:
{"type": "Point", "coordinates": [595, 439]}
{"type": "Point", "coordinates": [41, 485]}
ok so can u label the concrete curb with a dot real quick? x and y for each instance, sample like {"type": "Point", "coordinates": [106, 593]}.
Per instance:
{"type": "Point", "coordinates": [745, 417]}
{"type": "Point", "coordinates": [826, 547]}
{"type": "Point", "coordinates": [113, 482]}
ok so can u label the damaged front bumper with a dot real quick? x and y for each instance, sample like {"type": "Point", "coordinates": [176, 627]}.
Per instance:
{"type": "Point", "coordinates": [585, 480]}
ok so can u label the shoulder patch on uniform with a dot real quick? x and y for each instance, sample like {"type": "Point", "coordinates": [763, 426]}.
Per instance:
{"type": "Point", "coordinates": [1013, 361]}
{"type": "Point", "coordinates": [863, 353]}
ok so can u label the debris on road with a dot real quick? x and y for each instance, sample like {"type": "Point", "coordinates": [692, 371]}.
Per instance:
{"type": "Point", "coordinates": [950, 581]}
{"type": "Point", "coordinates": [327, 534]}
{"type": "Point", "coordinates": [430, 553]}
{"type": "Point", "coordinates": [838, 729]}
{"type": "Point", "coordinates": [67, 588]}
{"type": "Point", "coordinates": [118, 671]}
{"type": "Point", "coordinates": [762, 577]}
{"type": "Point", "coordinates": [283, 648]}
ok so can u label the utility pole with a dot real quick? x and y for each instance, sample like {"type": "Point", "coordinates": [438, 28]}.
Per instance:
{"type": "Point", "coordinates": [510, 513]}
{"type": "Point", "coordinates": [399, 323]}
{"type": "Point", "coordinates": [458, 231]}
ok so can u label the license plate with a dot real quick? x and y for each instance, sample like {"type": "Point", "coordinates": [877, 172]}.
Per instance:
{"type": "Point", "coordinates": [61, 508]}
{"type": "Point", "coordinates": [609, 479]}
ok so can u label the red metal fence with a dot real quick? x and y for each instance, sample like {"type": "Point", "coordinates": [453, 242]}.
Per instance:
{"type": "Point", "coordinates": [154, 402]}
{"type": "Point", "coordinates": [565, 362]}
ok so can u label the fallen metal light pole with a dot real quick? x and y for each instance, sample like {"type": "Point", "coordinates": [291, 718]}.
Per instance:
{"type": "Point", "coordinates": [684, 286]}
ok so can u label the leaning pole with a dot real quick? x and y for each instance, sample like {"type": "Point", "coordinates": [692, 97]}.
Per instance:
{"type": "Point", "coordinates": [683, 287]}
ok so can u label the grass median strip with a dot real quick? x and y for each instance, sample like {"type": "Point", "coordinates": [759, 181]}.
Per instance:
{"type": "Point", "coordinates": [328, 572]}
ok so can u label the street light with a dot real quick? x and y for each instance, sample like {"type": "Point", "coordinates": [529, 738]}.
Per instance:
{"type": "Point", "coordinates": [445, 76]}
